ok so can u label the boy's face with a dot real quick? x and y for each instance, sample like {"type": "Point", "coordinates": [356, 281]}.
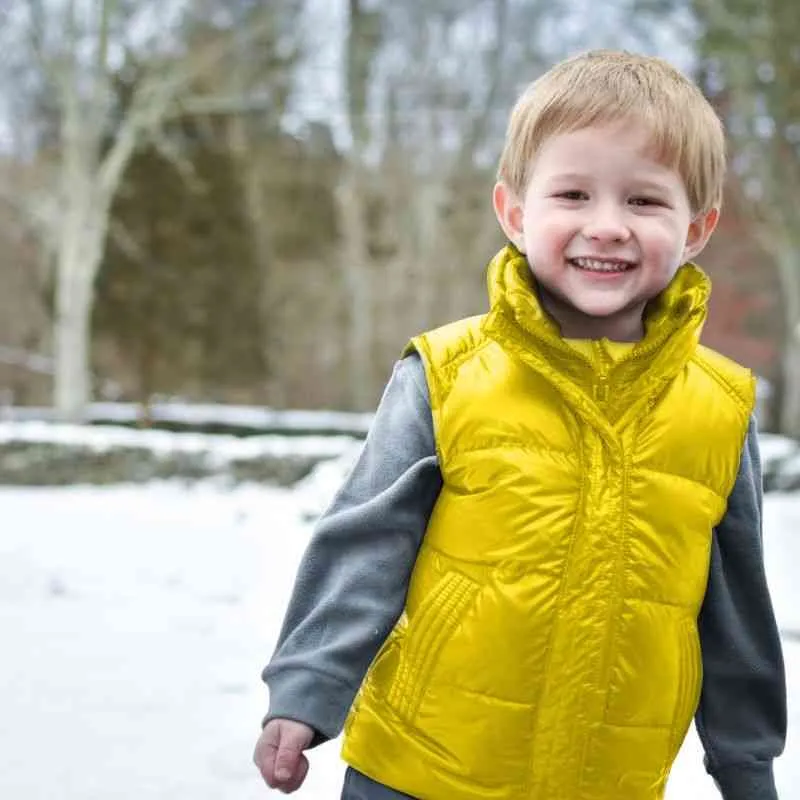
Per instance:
{"type": "Point", "coordinates": [605, 226]}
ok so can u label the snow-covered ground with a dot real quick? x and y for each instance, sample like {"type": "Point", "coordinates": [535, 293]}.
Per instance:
{"type": "Point", "coordinates": [135, 622]}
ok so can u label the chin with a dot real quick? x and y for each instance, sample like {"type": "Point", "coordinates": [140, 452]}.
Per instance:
{"type": "Point", "coordinates": [602, 311]}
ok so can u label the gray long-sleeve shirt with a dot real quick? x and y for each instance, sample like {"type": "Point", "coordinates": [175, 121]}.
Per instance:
{"type": "Point", "coordinates": [352, 582]}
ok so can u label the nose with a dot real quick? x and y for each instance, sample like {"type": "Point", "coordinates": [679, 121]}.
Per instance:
{"type": "Point", "coordinates": [606, 223]}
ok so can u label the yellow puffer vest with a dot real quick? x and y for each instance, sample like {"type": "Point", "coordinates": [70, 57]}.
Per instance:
{"type": "Point", "coordinates": [549, 646]}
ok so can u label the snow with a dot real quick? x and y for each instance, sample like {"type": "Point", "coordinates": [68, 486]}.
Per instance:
{"type": "Point", "coordinates": [220, 447]}
{"type": "Point", "coordinates": [136, 620]}
{"type": "Point", "coordinates": [199, 414]}
{"type": "Point", "coordinates": [776, 448]}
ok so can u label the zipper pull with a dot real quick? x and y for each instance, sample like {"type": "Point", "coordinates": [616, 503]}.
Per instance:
{"type": "Point", "coordinates": [600, 390]}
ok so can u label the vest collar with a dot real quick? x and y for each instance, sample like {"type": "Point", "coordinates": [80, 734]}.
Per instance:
{"type": "Point", "coordinates": [612, 391]}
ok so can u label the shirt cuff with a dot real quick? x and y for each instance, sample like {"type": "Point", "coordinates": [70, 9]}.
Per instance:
{"type": "Point", "coordinates": [747, 782]}
{"type": "Point", "coordinates": [316, 699]}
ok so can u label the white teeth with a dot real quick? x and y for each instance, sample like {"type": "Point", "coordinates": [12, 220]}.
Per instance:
{"type": "Point", "coordinates": [593, 265]}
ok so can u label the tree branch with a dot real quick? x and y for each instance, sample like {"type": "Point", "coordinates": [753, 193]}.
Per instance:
{"type": "Point", "coordinates": [158, 90]}
{"type": "Point", "coordinates": [480, 120]}
{"type": "Point", "coordinates": [167, 149]}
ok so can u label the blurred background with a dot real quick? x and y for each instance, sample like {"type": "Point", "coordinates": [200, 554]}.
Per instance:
{"type": "Point", "coordinates": [220, 222]}
{"type": "Point", "coordinates": [258, 203]}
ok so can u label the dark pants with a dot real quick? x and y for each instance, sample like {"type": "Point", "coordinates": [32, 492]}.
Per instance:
{"type": "Point", "coordinates": [360, 787]}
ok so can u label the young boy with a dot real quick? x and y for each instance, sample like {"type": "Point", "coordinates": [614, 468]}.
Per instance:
{"type": "Point", "coordinates": [548, 558]}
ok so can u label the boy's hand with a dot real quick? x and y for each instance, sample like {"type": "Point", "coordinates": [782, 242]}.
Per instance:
{"type": "Point", "coordinates": [279, 754]}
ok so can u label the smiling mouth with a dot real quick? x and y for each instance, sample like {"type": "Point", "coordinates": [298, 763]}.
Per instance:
{"type": "Point", "coordinates": [607, 265]}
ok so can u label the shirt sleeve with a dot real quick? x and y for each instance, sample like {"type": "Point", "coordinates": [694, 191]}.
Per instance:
{"type": "Point", "coordinates": [352, 581]}
{"type": "Point", "coordinates": [741, 719]}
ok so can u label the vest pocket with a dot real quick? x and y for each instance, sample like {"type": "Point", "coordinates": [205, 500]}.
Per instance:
{"type": "Point", "coordinates": [429, 629]}
{"type": "Point", "coordinates": [654, 676]}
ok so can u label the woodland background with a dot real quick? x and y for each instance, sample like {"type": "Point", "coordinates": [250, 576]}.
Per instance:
{"type": "Point", "coordinates": [249, 202]}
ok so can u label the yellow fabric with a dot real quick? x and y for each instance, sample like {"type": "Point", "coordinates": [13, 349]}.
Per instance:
{"type": "Point", "coordinates": [548, 649]}
{"type": "Point", "coordinates": [604, 348]}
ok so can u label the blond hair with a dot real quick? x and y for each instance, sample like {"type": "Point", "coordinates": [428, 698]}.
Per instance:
{"type": "Point", "coordinates": [605, 86]}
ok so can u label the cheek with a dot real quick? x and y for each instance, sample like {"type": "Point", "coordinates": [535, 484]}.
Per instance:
{"type": "Point", "coordinates": [666, 264]}
{"type": "Point", "coordinates": [662, 253]}
{"type": "Point", "coordinates": [549, 233]}
{"type": "Point", "coordinates": [664, 243]}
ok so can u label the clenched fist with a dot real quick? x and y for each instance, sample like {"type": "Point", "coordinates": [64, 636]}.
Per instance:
{"type": "Point", "coordinates": [279, 754]}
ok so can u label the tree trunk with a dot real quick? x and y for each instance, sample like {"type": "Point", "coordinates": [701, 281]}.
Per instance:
{"type": "Point", "coordinates": [72, 387]}
{"type": "Point", "coordinates": [358, 284]}
{"type": "Point", "coordinates": [787, 256]}
{"type": "Point", "coordinates": [79, 256]}
{"type": "Point", "coordinates": [251, 179]}
{"type": "Point", "coordinates": [789, 402]}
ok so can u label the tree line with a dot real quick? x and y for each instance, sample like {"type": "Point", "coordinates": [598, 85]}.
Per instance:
{"type": "Point", "coordinates": [260, 203]}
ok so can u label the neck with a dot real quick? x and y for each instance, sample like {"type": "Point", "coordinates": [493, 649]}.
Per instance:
{"type": "Point", "coordinates": [626, 325]}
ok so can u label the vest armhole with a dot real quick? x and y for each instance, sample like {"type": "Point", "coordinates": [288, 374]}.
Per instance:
{"type": "Point", "coordinates": [441, 351]}
{"type": "Point", "coordinates": [739, 384]}
{"type": "Point", "coordinates": [420, 346]}
{"type": "Point", "coordinates": [737, 381]}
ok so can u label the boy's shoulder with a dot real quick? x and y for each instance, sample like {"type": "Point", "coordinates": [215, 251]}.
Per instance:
{"type": "Point", "coordinates": [449, 341]}
{"type": "Point", "coordinates": [737, 379]}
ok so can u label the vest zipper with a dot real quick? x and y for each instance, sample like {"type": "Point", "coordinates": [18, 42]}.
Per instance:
{"type": "Point", "coordinates": [600, 385]}
{"type": "Point", "coordinates": [600, 389]}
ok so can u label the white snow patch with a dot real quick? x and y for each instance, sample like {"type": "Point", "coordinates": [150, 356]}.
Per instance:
{"type": "Point", "coordinates": [198, 414]}
{"type": "Point", "coordinates": [776, 448]}
{"type": "Point", "coordinates": [223, 447]}
{"type": "Point", "coordinates": [136, 621]}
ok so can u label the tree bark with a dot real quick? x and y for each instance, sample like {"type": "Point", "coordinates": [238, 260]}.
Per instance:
{"type": "Point", "coordinates": [787, 256]}
{"type": "Point", "coordinates": [358, 284]}
{"type": "Point", "coordinates": [78, 260]}
{"type": "Point", "coordinates": [363, 40]}
{"type": "Point", "coordinates": [251, 180]}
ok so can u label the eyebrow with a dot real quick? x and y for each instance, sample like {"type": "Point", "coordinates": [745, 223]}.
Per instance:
{"type": "Point", "coordinates": [567, 176]}
{"type": "Point", "coordinates": [651, 186]}
{"type": "Point", "coordinates": [641, 184]}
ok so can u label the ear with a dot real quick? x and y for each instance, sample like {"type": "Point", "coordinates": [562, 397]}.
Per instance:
{"type": "Point", "coordinates": [700, 230]}
{"type": "Point", "coordinates": [509, 211]}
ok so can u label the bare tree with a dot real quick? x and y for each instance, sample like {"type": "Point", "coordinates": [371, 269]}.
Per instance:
{"type": "Point", "coordinates": [429, 86]}
{"type": "Point", "coordinates": [425, 86]}
{"type": "Point", "coordinates": [264, 74]}
{"type": "Point", "coordinates": [749, 52]}
{"type": "Point", "coordinates": [78, 48]}
{"type": "Point", "coordinates": [362, 42]}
